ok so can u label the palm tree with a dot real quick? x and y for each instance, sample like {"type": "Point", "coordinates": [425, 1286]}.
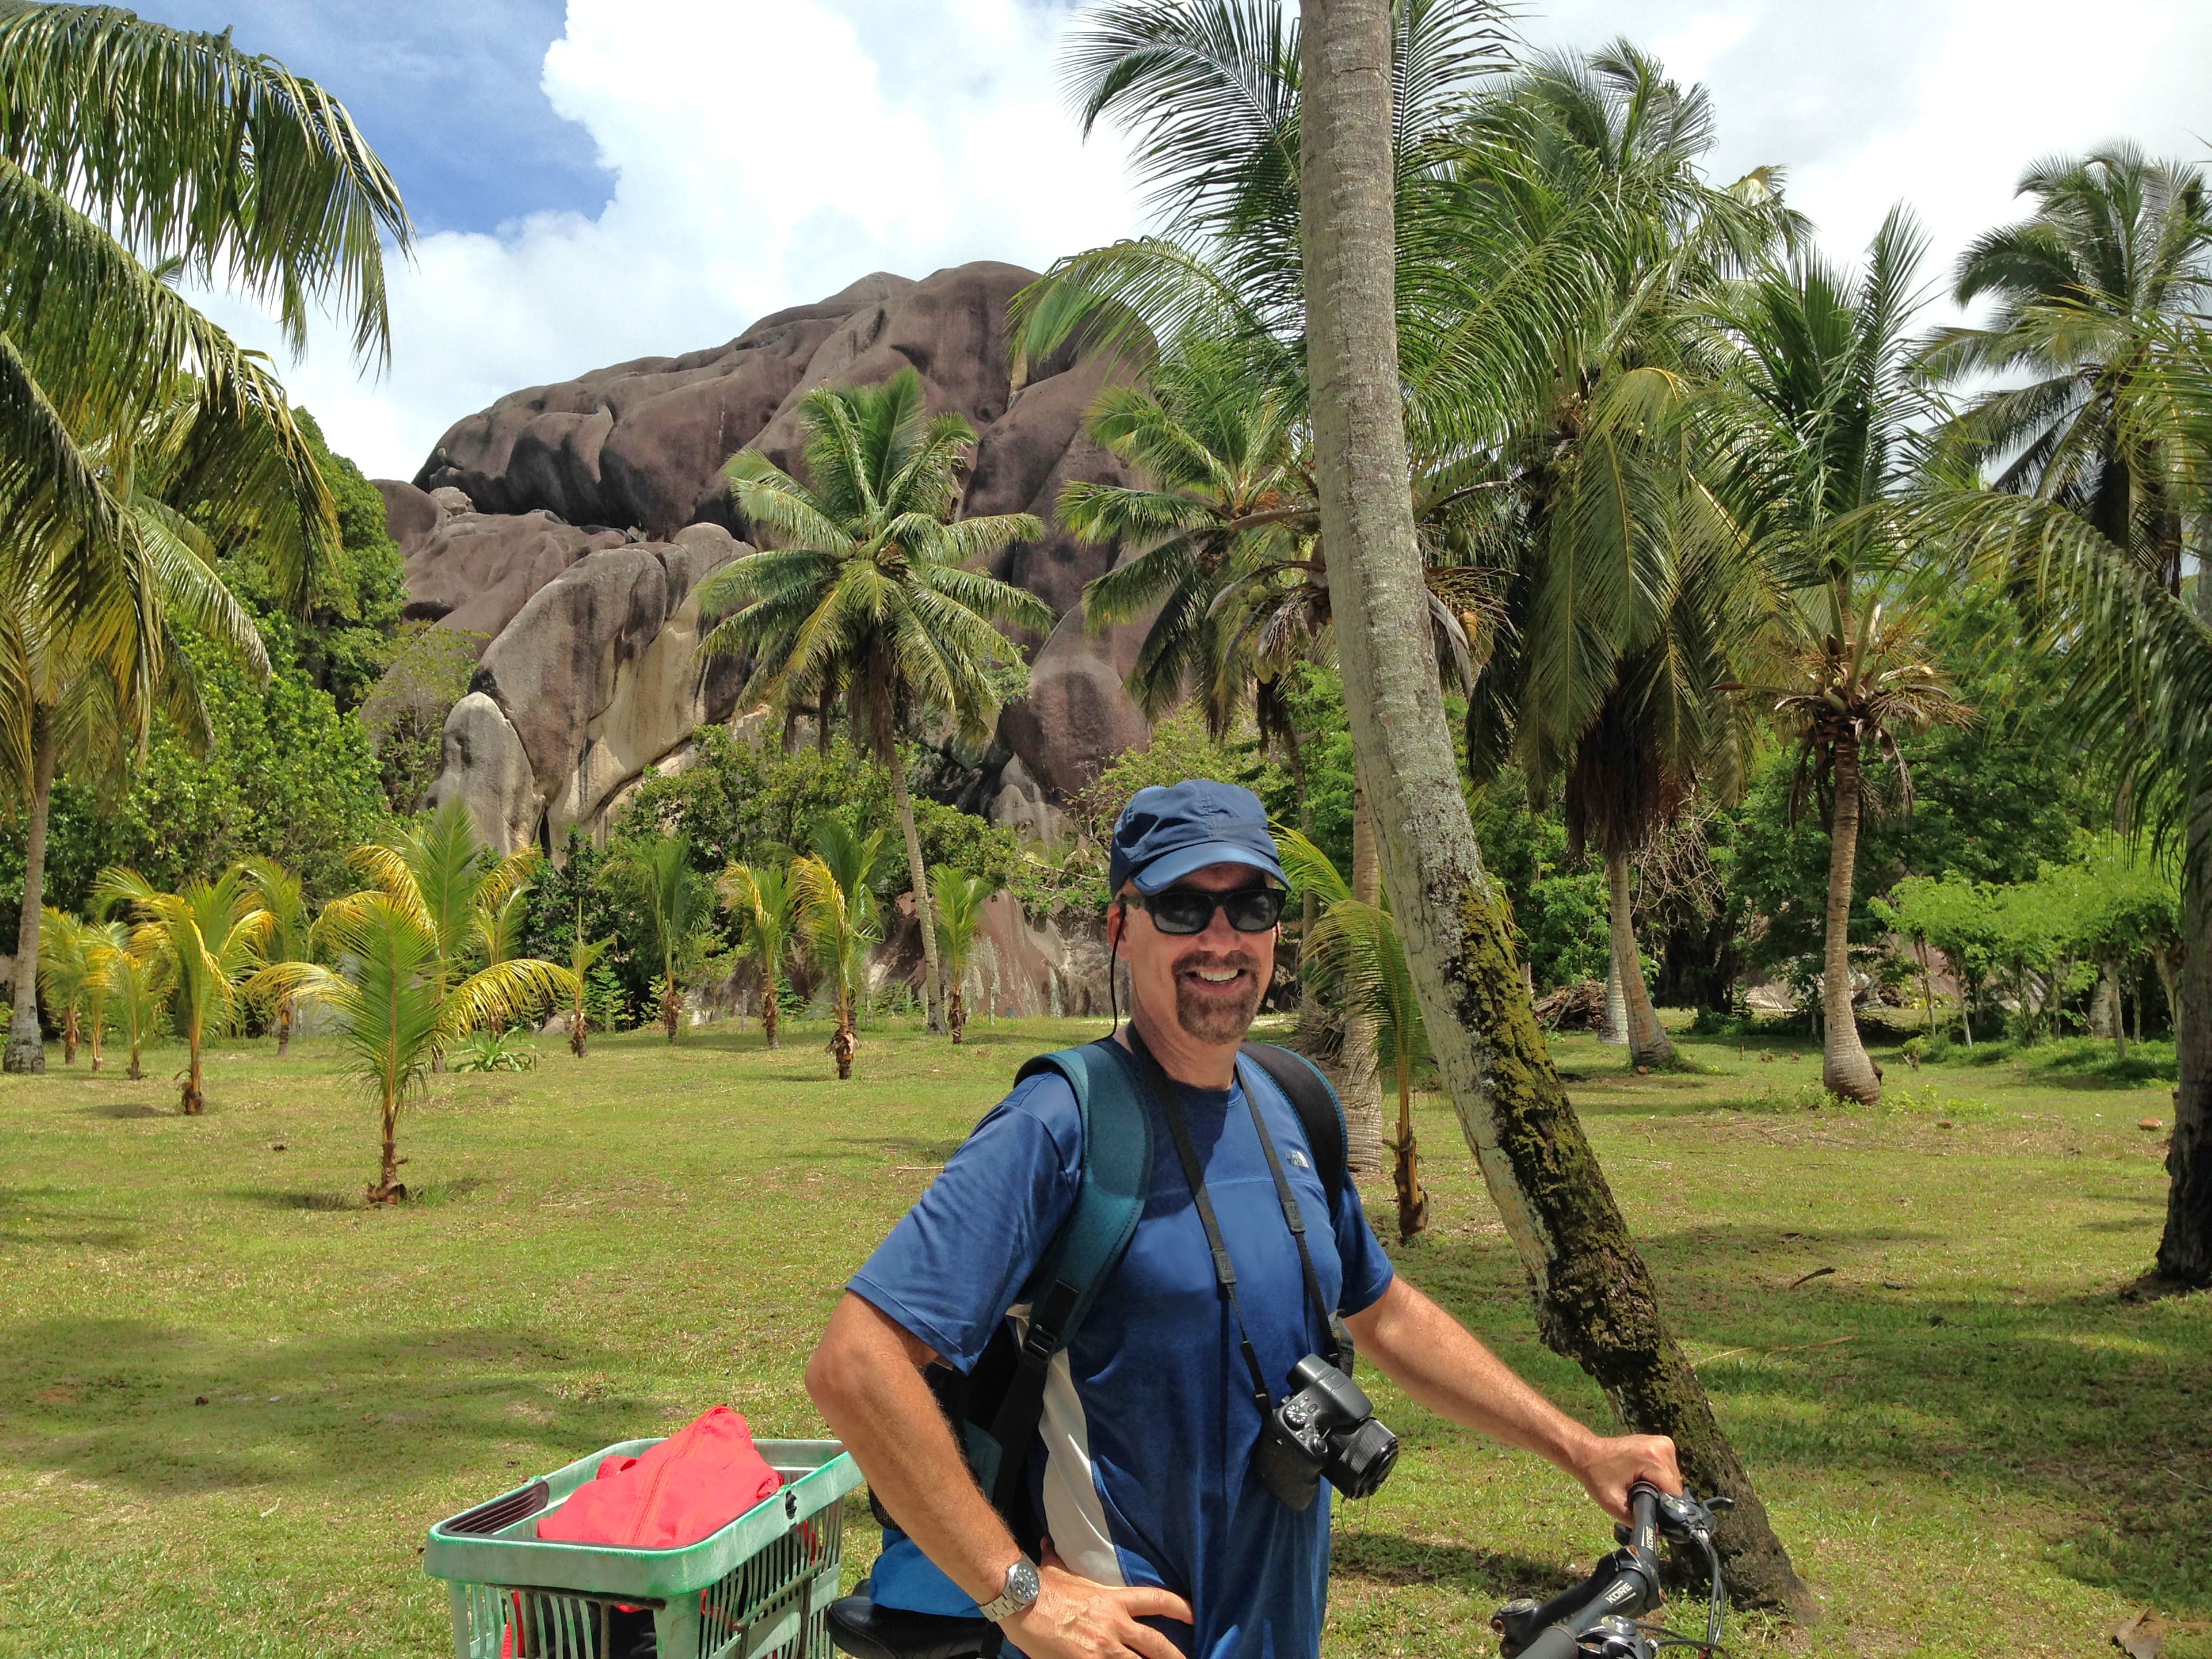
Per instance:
{"type": "Point", "coordinates": [1594, 1296]}
{"type": "Point", "coordinates": [876, 586]}
{"type": "Point", "coordinates": [961, 900]}
{"type": "Point", "coordinates": [397, 1005]}
{"type": "Point", "coordinates": [1357, 953]}
{"type": "Point", "coordinates": [106, 943]}
{"type": "Point", "coordinates": [138, 987]}
{"type": "Point", "coordinates": [767, 907]}
{"type": "Point", "coordinates": [675, 901]}
{"type": "Point", "coordinates": [2118, 249]}
{"type": "Point", "coordinates": [64, 974]}
{"type": "Point", "coordinates": [583, 956]}
{"type": "Point", "coordinates": [449, 880]}
{"type": "Point", "coordinates": [285, 899]}
{"type": "Point", "coordinates": [131, 153]}
{"type": "Point", "coordinates": [1823, 425]}
{"type": "Point", "coordinates": [210, 935]}
{"type": "Point", "coordinates": [838, 909]}
{"type": "Point", "coordinates": [499, 928]}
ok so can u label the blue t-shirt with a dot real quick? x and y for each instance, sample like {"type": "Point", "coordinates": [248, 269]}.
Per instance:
{"type": "Point", "coordinates": [1149, 1420]}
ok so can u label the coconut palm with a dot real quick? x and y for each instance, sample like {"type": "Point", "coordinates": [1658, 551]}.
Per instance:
{"type": "Point", "coordinates": [1823, 423]}
{"type": "Point", "coordinates": [838, 909]}
{"type": "Point", "coordinates": [210, 935]}
{"type": "Point", "coordinates": [138, 990]}
{"type": "Point", "coordinates": [105, 943]}
{"type": "Point", "coordinates": [767, 907]}
{"type": "Point", "coordinates": [398, 1006]}
{"type": "Point", "coordinates": [875, 586]}
{"type": "Point", "coordinates": [676, 901]}
{"type": "Point", "coordinates": [64, 972]}
{"type": "Point", "coordinates": [499, 928]}
{"type": "Point", "coordinates": [2118, 249]}
{"type": "Point", "coordinates": [961, 902]}
{"type": "Point", "coordinates": [285, 899]}
{"type": "Point", "coordinates": [1356, 953]}
{"type": "Point", "coordinates": [131, 153]}
{"type": "Point", "coordinates": [449, 880]}
{"type": "Point", "coordinates": [583, 956]}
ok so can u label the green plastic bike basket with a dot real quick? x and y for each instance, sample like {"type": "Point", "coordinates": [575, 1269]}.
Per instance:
{"type": "Point", "coordinates": [756, 1589]}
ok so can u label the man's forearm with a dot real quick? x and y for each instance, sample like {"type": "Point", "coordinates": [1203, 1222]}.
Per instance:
{"type": "Point", "coordinates": [866, 1379]}
{"type": "Point", "coordinates": [1443, 1364]}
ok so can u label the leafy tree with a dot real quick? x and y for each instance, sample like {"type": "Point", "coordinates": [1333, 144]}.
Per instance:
{"type": "Point", "coordinates": [754, 803]}
{"type": "Point", "coordinates": [428, 671]}
{"type": "Point", "coordinates": [135, 152]}
{"type": "Point", "coordinates": [674, 899]}
{"type": "Point", "coordinates": [1356, 953]}
{"type": "Point", "coordinates": [398, 1003]}
{"type": "Point", "coordinates": [875, 589]}
{"type": "Point", "coordinates": [210, 935]}
{"type": "Point", "coordinates": [961, 899]}
{"type": "Point", "coordinates": [768, 909]}
{"type": "Point", "coordinates": [2127, 908]}
{"type": "Point", "coordinates": [1959, 917]}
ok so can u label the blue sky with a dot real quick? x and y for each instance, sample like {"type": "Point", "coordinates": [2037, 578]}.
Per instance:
{"type": "Point", "coordinates": [447, 91]}
{"type": "Point", "coordinates": [604, 180]}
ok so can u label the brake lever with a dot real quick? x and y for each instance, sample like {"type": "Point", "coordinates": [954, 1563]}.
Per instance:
{"type": "Point", "coordinates": [1680, 1515]}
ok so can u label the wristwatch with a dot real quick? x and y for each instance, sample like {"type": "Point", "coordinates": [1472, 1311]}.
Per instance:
{"type": "Point", "coordinates": [1021, 1589]}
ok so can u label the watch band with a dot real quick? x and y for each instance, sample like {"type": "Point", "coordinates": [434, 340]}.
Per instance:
{"type": "Point", "coordinates": [1022, 1588]}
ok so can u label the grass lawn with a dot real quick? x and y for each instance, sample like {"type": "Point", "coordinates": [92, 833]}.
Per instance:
{"type": "Point", "coordinates": [232, 1400]}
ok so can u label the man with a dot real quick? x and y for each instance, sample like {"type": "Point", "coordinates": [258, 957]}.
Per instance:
{"type": "Point", "coordinates": [1150, 1420]}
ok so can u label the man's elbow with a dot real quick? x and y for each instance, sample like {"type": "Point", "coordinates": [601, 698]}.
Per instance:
{"type": "Point", "coordinates": [831, 1372]}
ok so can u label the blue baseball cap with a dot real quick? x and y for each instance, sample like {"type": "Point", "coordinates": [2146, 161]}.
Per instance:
{"type": "Point", "coordinates": [1169, 830]}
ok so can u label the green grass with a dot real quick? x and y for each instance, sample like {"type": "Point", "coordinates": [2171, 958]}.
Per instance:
{"type": "Point", "coordinates": [1969, 1442]}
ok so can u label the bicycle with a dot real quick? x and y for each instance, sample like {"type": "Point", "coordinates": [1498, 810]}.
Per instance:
{"type": "Point", "coordinates": [1599, 1617]}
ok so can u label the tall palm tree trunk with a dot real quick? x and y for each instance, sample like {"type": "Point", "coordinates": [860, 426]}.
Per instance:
{"type": "Point", "coordinates": [26, 1049]}
{"type": "Point", "coordinates": [918, 876]}
{"type": "Point", "coordinates": [1594, 1299]}
{"type": "Point", "coordinates": [2184, 1250]}
{"type": "Point", "coordinates": [1361, 1066]}
{"type": "Point", "coordinates": [1648, 1042]}
{"type": "Point", "coordinates": [1613, 1026]}
{"type": "Point", "coordinates": [1844, 1066]}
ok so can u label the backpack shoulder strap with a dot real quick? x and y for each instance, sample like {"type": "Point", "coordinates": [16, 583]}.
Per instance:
{"type": "Point", "coordinates": [1109, 1200]}
{"type": "Point", "coordinates": [1320, 1113]}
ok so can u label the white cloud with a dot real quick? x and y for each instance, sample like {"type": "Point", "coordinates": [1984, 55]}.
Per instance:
{"type": "Point", "coordinates": [766, 154]}
{"type": "Point", "coordinates": [769, 152]}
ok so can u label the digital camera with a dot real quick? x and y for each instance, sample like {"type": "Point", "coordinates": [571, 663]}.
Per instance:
{"type": "Point", "coordinates": [1326, 1428]}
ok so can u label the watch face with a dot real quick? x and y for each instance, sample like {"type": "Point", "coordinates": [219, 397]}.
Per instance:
{"type": "Point", "coordinates": [1021, 1585]}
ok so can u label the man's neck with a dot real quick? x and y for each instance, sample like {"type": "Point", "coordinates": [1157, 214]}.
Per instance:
{"type": "Point", "coordinates": [1183, 1057]}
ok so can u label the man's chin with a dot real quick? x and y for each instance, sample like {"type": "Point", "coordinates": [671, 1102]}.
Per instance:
{"type": "Point", "coordinates": [1216, 1019]}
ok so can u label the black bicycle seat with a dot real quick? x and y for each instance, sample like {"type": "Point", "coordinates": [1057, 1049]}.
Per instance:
{"type": "Point", "coordinates": [865, 1630]}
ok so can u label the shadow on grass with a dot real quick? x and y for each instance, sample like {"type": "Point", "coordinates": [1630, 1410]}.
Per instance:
{"type": "Point", "coordinates": [128, 1108]}
{"type": "Point", "coordinates": [1390, 1559]}
{"type": "Point", "coordinates": [2078, 1403]}
{"type": "Point", "coordinates": [119, 1400]}
{"type": "Point", "coordinates": [23, 1221]}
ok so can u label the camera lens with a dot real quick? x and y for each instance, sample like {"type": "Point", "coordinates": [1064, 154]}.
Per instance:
{"type": "Point", "coordinates": [1364, 1459]}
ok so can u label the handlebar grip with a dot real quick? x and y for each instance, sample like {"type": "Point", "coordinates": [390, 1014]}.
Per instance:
{"type": "Point", "coordinates": [1552, 1643]}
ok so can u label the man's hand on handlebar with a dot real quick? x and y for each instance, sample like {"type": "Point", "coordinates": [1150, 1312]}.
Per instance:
{"type": "Point", "coordinates": [1611, 1466]}
{"type": "Point", "coordinates": [1075, 1618]}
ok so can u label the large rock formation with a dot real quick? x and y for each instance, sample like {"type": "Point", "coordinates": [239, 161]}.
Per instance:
{"type": "Point", "coordinates": [535, 522]}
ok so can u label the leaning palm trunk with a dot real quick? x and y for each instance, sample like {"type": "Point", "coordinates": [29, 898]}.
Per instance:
{"type": "Point", "coordinates": [1648, 1043]}
{"type": "Point", "coordinates": [1844, 1066]}
{"type": "Point", "coordinates": [1360, 1067]}
{"type": "Point", "coordinates": [26, 1049]}
{"type": "Point", "coordinates": [932, 981]}
{"type": "Point", "coordinates": [2184, 1250]}
{"type": "Point", "coordinates": [1594, 1299]}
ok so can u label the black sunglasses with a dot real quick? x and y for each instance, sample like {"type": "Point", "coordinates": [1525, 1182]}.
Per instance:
{"type": "Point", "coordinates": [1190, 909]}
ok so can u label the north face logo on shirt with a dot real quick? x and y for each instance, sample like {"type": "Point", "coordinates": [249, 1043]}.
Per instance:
{"type": "Point", "coordinates": [1300, 1158]}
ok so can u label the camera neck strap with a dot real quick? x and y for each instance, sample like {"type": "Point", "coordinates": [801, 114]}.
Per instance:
{"type": "Point", "coordinates": [1225, 1268]}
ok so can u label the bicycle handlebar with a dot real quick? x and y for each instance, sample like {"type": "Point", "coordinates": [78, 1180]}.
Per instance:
{"type": "Point", "coordinates": [1622, 1587]}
